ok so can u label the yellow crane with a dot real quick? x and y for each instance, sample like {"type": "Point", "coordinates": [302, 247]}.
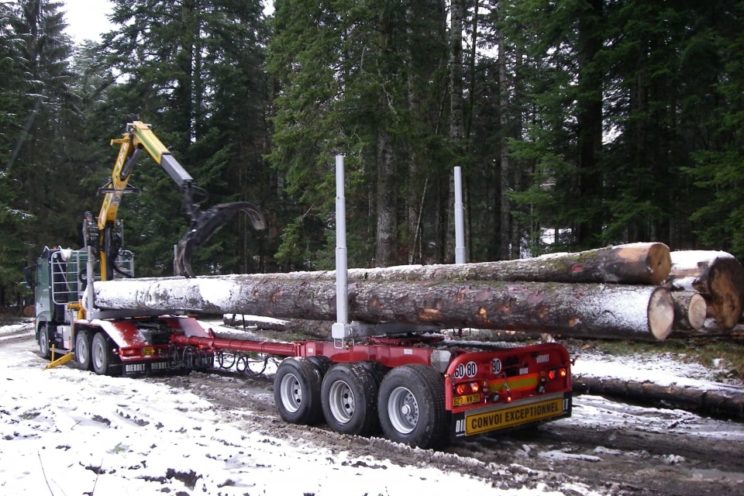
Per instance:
{"type": "Point", "coordinates": [102, 233]}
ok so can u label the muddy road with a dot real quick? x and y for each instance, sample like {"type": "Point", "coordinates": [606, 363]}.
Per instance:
{"type": "Point", "coordinates": [607, 447]}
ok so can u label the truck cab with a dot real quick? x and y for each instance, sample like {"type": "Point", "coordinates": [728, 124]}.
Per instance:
{"type": "Point", "coordinates": [59, 287]}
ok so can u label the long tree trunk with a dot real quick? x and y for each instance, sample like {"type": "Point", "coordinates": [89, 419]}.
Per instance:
{"type": "Point", "coordinates": [637, 263]}
{"type": "Point", "coordinates": [587, 310]}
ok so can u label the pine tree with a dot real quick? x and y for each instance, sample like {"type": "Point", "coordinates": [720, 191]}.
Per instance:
{"type": "Point", "coordinates": [39, 175]}
{"type": "Point", "coordinates": [192, 70]}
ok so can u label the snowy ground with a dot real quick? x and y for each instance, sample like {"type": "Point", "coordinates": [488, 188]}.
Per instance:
{"type": "Point", "coordinates": [69, 432]}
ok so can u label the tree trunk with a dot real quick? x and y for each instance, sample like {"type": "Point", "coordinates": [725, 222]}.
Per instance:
{"type": "Point", "coordinates": [589, 123]}
{"type": "Point", "coordinates": [594, 310]}
{"type": "Point", "coordinates": [387, 225]}
{"type": "Point", "coordinates": [505, 234]}
{"type": "Point", "coordinates": [456, 118]}
{"type": "Point", "coordinates": [716, 275]}
{"type": "Point", "coordinates": [689, 311]}
{"type": "Point", "coordinates": [637, 263]}
{"type": "Point", "coordinates": [727, 401]}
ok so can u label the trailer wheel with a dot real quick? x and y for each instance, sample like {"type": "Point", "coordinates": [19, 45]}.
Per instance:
{"type": "Point", "coordinates": [349, 399]}
{"type": "Point", "coordinates": [297, 391]}
{"type": "Point", "coordinates": [101, 355]}
{"type": "Point", "coordinates": [82, 349]}
{"type": "Point", "coordinates": [411, 406]}
{"type": "Point", "coordinates": [44, 349]}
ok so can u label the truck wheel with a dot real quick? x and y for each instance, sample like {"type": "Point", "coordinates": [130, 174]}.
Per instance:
{"type": "Point", "coordinates": [297, 391]}
{"type": "Point", "coordinates": [349, 399]}
{"type": "Point", "coordinates": [101, 355]}
{"type": "Point", "coordinates": [82, 349]}
{"type": "Point", "coordinates": [411, 406]}
{"type": "Point", "coordinates": [44, 349]}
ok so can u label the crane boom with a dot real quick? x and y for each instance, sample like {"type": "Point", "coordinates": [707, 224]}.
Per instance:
{"type": "Point", "coordinates": [103, 234]}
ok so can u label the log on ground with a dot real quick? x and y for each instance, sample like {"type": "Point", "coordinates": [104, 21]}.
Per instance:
{"type": "Point", "coordinates": [587, 310]}
{"type": "Point", "coordinates": [716, 275]}
{"type": "Point", "coordinates": [726, 402]}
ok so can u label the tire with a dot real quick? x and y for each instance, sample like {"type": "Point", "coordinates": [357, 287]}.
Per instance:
{"type": "Point", "coordinates": [321, 363]}
{"type": "Point", "coordinates": [349, 399]}
{"type": "Point", "coordinates": [297, 392]}
{"type": "Point", "coordinates": [82, 349]}
{"type": "Point", "coordinates": [44, 349]}
{"type": "Point", "coordinates": [411, 406]}
{"type": "Point", "coordinates": [101, 356]}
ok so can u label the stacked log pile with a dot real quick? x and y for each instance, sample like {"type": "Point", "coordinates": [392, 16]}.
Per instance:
{"type": "Point", "coordinates": [636, 291]}
{"type": "Point", "coordinates": [718, 278]}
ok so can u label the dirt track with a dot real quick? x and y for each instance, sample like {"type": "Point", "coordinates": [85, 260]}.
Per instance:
{"type": "Point", "coordinates": [607, 446]}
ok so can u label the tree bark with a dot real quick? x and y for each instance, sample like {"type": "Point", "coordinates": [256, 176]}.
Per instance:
{"type": "Point", "coordinates": [716, 275]}
{"type": "Point", "coordinates": [594, 310]}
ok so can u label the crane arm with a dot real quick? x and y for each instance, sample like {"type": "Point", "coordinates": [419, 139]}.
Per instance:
{"type": "Point", "coordinates": [203, 223]}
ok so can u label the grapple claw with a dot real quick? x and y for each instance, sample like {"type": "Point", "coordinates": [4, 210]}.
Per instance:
{"type": "Point", "coordinates": [204, 224]}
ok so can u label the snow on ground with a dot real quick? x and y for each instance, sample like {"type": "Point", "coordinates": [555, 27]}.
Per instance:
{"type": "Point", "coordinates": [65, 431]}
{"type": "Point", "coordinates": [662, 368]}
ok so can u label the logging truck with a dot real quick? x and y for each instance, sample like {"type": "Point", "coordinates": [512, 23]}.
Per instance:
{"type": "Point", "coordinates": [414, 386]}
{"type": "Point", "coordinates": [391, 373]}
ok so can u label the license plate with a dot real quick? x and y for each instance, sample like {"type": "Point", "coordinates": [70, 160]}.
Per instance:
{"type": "Point", "coordinates": [512, 416]}
{"type": "Point", "coordinates": [466, 400]}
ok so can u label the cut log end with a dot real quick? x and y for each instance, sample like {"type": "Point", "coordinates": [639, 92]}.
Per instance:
{"type": "Point", "coordinates": [661, 314]}
{"type": "Point", "coordinates": [726, 282]}
{"type": "Point", "coordinates": [643, 263]}
{"type": "Point", "coordinates": [696, 311]}
{"type": "Point", "coordinates": [659, 262]}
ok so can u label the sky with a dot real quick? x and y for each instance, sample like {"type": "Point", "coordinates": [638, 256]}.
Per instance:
{"type": "Point", "coordinates": [87, 19]}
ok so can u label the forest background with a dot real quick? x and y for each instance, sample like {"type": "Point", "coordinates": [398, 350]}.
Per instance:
{"type": "Point", "coordinates": [577, 123]}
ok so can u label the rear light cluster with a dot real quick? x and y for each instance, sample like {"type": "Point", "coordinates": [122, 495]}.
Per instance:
{"type": "Point", "coordinates": [467, 388]}
{"type": "Point", "coordinates": [550, 375]}
{"type": "Point", "coordinates": [505, 389]}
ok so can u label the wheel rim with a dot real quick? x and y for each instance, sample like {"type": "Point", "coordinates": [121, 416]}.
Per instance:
{"type": "Point", "coordinates": [44, 341]}
{"type": "Point", "coordinates": [291, 392]}
{"type": "Point", "coordinates": [98, 352]}
{"type": "Point", "coordinates": [81, 350]}
{"type": "Point", "coordinates": [403, 410]}
{"type": "Point", "coordinates": [341, 401]}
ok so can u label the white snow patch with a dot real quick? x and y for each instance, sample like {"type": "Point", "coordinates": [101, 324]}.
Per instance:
{"type": "Point", "coordinates": [661, 368]}
{"type": "Point", "coordinates": [688, 260]}
{"type": "Point", "coordinates": [563, 456]}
